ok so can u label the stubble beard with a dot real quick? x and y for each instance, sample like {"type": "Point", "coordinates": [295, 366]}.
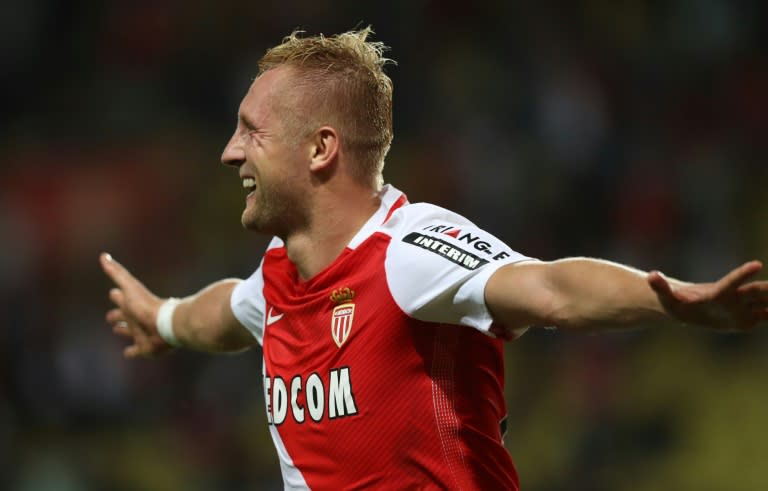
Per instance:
{"type": "Point", "coordinates": [274, 210]}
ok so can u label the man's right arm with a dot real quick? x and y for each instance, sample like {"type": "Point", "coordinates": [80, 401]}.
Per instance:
{"type": "Point", "coordinates": [203, 321]}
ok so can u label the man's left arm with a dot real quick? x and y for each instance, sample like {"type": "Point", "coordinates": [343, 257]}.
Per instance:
{"type": "Point", "coordinates": [582, 293]}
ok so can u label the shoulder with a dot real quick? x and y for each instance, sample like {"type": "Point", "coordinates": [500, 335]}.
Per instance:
{"type": "Point", "coordinates": [438, 262]}
{"type": "Point", "coordinates": [441, 232]}
{"type": "Point", "coordinates": [414, 215]}
{"type": "Point", "coordinates": [247, 300]}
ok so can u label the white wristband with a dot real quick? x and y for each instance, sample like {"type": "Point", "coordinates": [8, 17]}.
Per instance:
{"type": "Point", "coordinates": [165, 321]}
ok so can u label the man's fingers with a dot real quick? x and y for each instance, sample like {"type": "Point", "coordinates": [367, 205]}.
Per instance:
{"type": "Point", "coordinates": [738, 276]}
{"type": "Point", "coordinates": [132, 351]}
{"type": "Point", "coordinates": [114, 316]}
{"type": "Point", "coordinates": [117, 296]}
{"type": "Point", "coordinates": [755, 288]}
{"type": "Point", "coordinates": [122, 328]}
{"type": "Point", "coordinates": [115, 271]}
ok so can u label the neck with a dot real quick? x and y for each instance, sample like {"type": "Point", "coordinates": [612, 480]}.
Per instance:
{"type": "Point", "coordinates": [335, 219]}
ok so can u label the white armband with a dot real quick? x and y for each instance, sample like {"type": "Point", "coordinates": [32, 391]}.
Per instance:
{"type": "Point", "coordinates": [165, 321]}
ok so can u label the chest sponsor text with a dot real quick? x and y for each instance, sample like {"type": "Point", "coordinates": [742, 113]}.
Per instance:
{"type": "Point", "coordinates": [310, 397]}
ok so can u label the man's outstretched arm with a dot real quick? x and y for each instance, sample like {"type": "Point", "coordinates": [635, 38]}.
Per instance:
{"type": "Point", "coordinates": [582, 293]}
{"type": "Point", "coordinates": [203, 321]}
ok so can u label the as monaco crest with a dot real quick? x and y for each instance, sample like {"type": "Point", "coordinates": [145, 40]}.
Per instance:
{"type": "Point", "coordinates": [342, 316]}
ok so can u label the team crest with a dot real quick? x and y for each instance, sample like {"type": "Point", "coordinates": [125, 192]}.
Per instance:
{"type": "Point", "coordinates": [343, 314]}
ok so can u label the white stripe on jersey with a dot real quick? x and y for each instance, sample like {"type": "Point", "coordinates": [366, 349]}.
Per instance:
{"type": "Point", "coordinates": [248, 304]}
{"type": "Point", "coordinates": [293, 480]}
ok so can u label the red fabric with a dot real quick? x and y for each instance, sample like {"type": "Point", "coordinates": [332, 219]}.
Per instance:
{"type": "Point", "coordinates": [403, 199]}
{"type": "Point", "coordinates": [428, 396]}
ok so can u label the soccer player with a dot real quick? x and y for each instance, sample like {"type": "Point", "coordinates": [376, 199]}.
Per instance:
{"type": "Point", "coordinates": [381, 321]}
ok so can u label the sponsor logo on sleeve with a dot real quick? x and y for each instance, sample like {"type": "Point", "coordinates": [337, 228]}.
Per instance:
{"type": "Point", "coordinates": [474, 240]}
{"type": "Point", "coordinates": [456, 255]}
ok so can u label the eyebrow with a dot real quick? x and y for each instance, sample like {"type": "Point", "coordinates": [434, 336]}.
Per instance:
{"type": "Point", "coordinates": [245, 121]}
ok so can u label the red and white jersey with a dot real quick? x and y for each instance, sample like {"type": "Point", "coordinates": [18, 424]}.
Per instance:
{"type": "Point", "coordinates": [385, 370]}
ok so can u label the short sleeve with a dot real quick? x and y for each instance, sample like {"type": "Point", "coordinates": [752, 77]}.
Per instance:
{"type": "Point", "coordinates": [247, 303]}
{"type": "Point", "coordinates": [438, 264]}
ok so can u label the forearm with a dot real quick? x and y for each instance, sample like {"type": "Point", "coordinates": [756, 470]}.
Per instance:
{"type": "Point", "coordinates": [590, 293]}
{"type": "Point", "coordinates": [205, 322]}
{"type": "Point", "coordinates": [575, 293]}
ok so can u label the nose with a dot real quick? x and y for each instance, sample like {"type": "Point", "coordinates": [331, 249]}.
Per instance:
{"type": "Point", "coordinates": [233, 153]}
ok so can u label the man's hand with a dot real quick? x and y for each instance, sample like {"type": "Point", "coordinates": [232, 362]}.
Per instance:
{"type": "Point", "coordinates": [731, 303]}
{"type": "Point", "coordinates": [136, 312]}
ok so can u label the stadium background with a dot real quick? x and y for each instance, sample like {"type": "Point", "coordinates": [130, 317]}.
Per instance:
{"type": "Point", "coordinates": [626, 129]}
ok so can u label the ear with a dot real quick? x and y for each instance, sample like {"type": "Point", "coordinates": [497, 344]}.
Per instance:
{"type": "Point", "coordinates": [324, 148]}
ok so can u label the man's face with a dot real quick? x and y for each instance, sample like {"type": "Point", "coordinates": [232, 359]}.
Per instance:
{"type": "Point", "coordinates": [273, 165]}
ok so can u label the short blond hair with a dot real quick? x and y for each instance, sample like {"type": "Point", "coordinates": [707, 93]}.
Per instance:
{"type": "Point", "coordinates": [342, 78]}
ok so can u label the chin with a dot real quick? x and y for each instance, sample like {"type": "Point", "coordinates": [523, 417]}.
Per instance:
{"type": "Point", "coordinates": [249, 223]}
{"type": "Point", "coordinates": [257, 223]}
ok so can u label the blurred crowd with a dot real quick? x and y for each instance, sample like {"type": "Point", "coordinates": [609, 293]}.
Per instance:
{"type": "Point", "coordinates": [633, 130]}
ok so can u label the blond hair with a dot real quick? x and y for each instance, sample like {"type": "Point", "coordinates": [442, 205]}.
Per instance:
{"type": "Point", "coordinates": [342, 78]}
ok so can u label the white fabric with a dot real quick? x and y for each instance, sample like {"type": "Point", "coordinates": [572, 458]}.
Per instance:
{"type": "Point", "coordinates": [164, 321]}
{"type": "Point", "coordinates": [426, 281]}
{"type": "Point", "coordinates": [293, 480]}
{"type": "Point", "coordinates": [389, 196]}
{"type": "Point", "coordinates": [247, 302]}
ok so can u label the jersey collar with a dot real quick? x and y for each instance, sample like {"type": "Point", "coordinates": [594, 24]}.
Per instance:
{"type": "Point", "coordinates": [391, 199]}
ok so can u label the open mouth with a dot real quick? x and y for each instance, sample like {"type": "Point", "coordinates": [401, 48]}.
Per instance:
{"type": "Point", "coordinates": [249, 184]}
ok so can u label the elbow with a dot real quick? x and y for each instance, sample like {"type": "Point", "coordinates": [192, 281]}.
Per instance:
{"type": "Point", "coordinates": [215, 336]}
{"type": "Point", "coordinates": [562, 314]}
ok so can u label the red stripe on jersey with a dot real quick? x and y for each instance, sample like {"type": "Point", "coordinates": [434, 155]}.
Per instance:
{"type": "Point", "coordinates": [403, 199]}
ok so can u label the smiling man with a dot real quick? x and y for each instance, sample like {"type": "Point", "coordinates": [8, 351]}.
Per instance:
{"type": "Point", "coordinates": [382, 322]}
